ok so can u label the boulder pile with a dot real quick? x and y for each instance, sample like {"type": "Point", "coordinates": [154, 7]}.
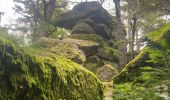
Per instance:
{"type": "Point", "coordinates": [91, 27]}
{"type": "Point", "coordinates": [87, 18]}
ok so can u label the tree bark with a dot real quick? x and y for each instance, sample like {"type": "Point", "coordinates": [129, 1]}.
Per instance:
{"type": "Point", "coordinates": [133, 25]}
{"type": "Point", "coordinates": [50, 8]}
{"type": "Point", "coordinates": [45, 7]}
{"type": "Point", "coordinates": [120, 34]}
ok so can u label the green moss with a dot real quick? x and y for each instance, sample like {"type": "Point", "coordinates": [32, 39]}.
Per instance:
{"type": "Point", "coordinates": [159, 34]}
{"type": "Point", "coordinates": [147, 76]}
{"type": "Point", "coordinates": [131, 70]}
{"type": "Point", "coordinates": [91, 37]}
{"type": "Point", "coordinates": [54, 47]}
{"type": "Point", "coordinates": [24, 77]}
{"type": "Point", "coordinates": [113, 53]}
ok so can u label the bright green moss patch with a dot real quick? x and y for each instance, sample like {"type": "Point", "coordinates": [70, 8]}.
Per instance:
{"type": "Point", "coordinates": [159, 34]}
{"type": "Point", "coordinates": [24, 77]}
{"type": "Point", "coordinates": [131, 70]}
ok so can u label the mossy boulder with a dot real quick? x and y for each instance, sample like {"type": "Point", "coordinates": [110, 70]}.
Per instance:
{"type": "Point", "coordinates": [93, 63]}
{"type": "Point", "coordinates": [52, 47]}
{"type": "Point", "coordinates": [108, 53]}
{"type": "Point", "coordinates": [131, 70]}
{"type": "Point", "coordinates": [106, 72]}
{"type": "Point", "coordinates": [147, 75]}
{"type": "Point", "coordinates": [88, 26]}
{"type": "Point", "coordinates": [91, 37]}
{"type": "Point", "coordinates": [156, 54]}
{"type": "Point", "coordinates": [104, 52]}
{"type": "Point", "coordinates": [25, 77]}
{"type": "Point", "coordinates": [103, 49]}
{"type": "Point", "coordinates": [88, 47]}
{"type": "Point", "coordinates": [83, 28]}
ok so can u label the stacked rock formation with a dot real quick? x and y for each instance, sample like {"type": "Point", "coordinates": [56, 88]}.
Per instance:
{"type": "Point", "coordinates": [90, 26]}
{"type": "Point", "coordinates": [87, 18]}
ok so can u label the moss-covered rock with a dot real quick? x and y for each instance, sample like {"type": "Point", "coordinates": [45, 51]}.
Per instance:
{"type": "Point", "coordinates": [131, 70]}
{"type": "Point", "coordinates": [93, 63]}
{"type": "Point", "coordinates": [106, 72]}
{"type": "Point", "coordinates": [83, 28]}
{"type": "Point", "coordinates": [109, 54]}
{"type": "Point", "coordinates": [88, 47]}
{"type": "Point", "coordinates": [52, 47]}
{"type": "Point", "coordinates": [91, 37]}
{"type": "Point", "coordinates": [104, 52]}
{"type": "Point", "coordinates": [25, 77]}
{"type": "Point", "coordinates": [147, 75]}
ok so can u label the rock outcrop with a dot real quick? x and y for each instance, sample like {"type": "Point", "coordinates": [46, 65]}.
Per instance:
{"type": "Point", "coordinates": [91, 27]}
{"type": "Point", "coordinates": [88, 18]}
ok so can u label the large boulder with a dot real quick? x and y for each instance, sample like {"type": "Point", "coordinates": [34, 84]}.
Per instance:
{"type": "Point", "coordinates": [58, 47]}
{"type": "Point", "coordinates": [83, 28]}
{"type": "Point", "coordinates": [88, 26]}
{"type": "Point", "coordinates": [98, 54]}
{"type": "Point", "coordinates": [87, 46]}
{"type": "Point", "coordinates": [89, 50]}
{"type": "Point", "coordinates": [84, 10]}
{"type": "Point", "coordinates": [106, 72]}
{"type": "Point", "coordinates": [32, 77]}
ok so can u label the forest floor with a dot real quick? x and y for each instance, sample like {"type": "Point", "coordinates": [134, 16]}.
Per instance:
{"type": "Point", "coordinates": [108, 91]}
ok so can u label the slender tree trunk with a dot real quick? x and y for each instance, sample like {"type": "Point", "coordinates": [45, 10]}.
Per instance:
{"type": "Point", "coordinates": [134, 22]}
{"type": "Point", "coordinates": [45, 7]}
{"type": "Point", "coordinates": [137, 41]}
{"type": "Point", "coordinates": [129, 38]}
{"type": "Point", "coordinates": [120, 35]}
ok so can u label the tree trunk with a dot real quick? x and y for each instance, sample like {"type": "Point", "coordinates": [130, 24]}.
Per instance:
{"type": "Point", "coordinates": [133, 25]}
{"type": "Point", "coordinates": [50, 8]}
{"type": "Point", "coordinates": [45, 7]}
{"type": "Point", "coordinates": [137, 41]}
{"type": "Point", "coordinates": [120, 35]}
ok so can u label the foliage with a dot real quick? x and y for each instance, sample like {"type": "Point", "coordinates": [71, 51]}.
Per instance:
{"type": "Point", "coordinates": [39, 15]}
{"type": "Point", "coordinates": [17, 40]}
{"type": "Point", "coordinates": [153, 84]}
{"type": "Point", "coordinates": [59, 33]}
{"type": "Point", "coordinates": [159, 44]}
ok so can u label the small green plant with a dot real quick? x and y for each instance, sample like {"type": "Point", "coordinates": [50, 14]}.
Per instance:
{"type": "Point", "coordinates": [59, 33]}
